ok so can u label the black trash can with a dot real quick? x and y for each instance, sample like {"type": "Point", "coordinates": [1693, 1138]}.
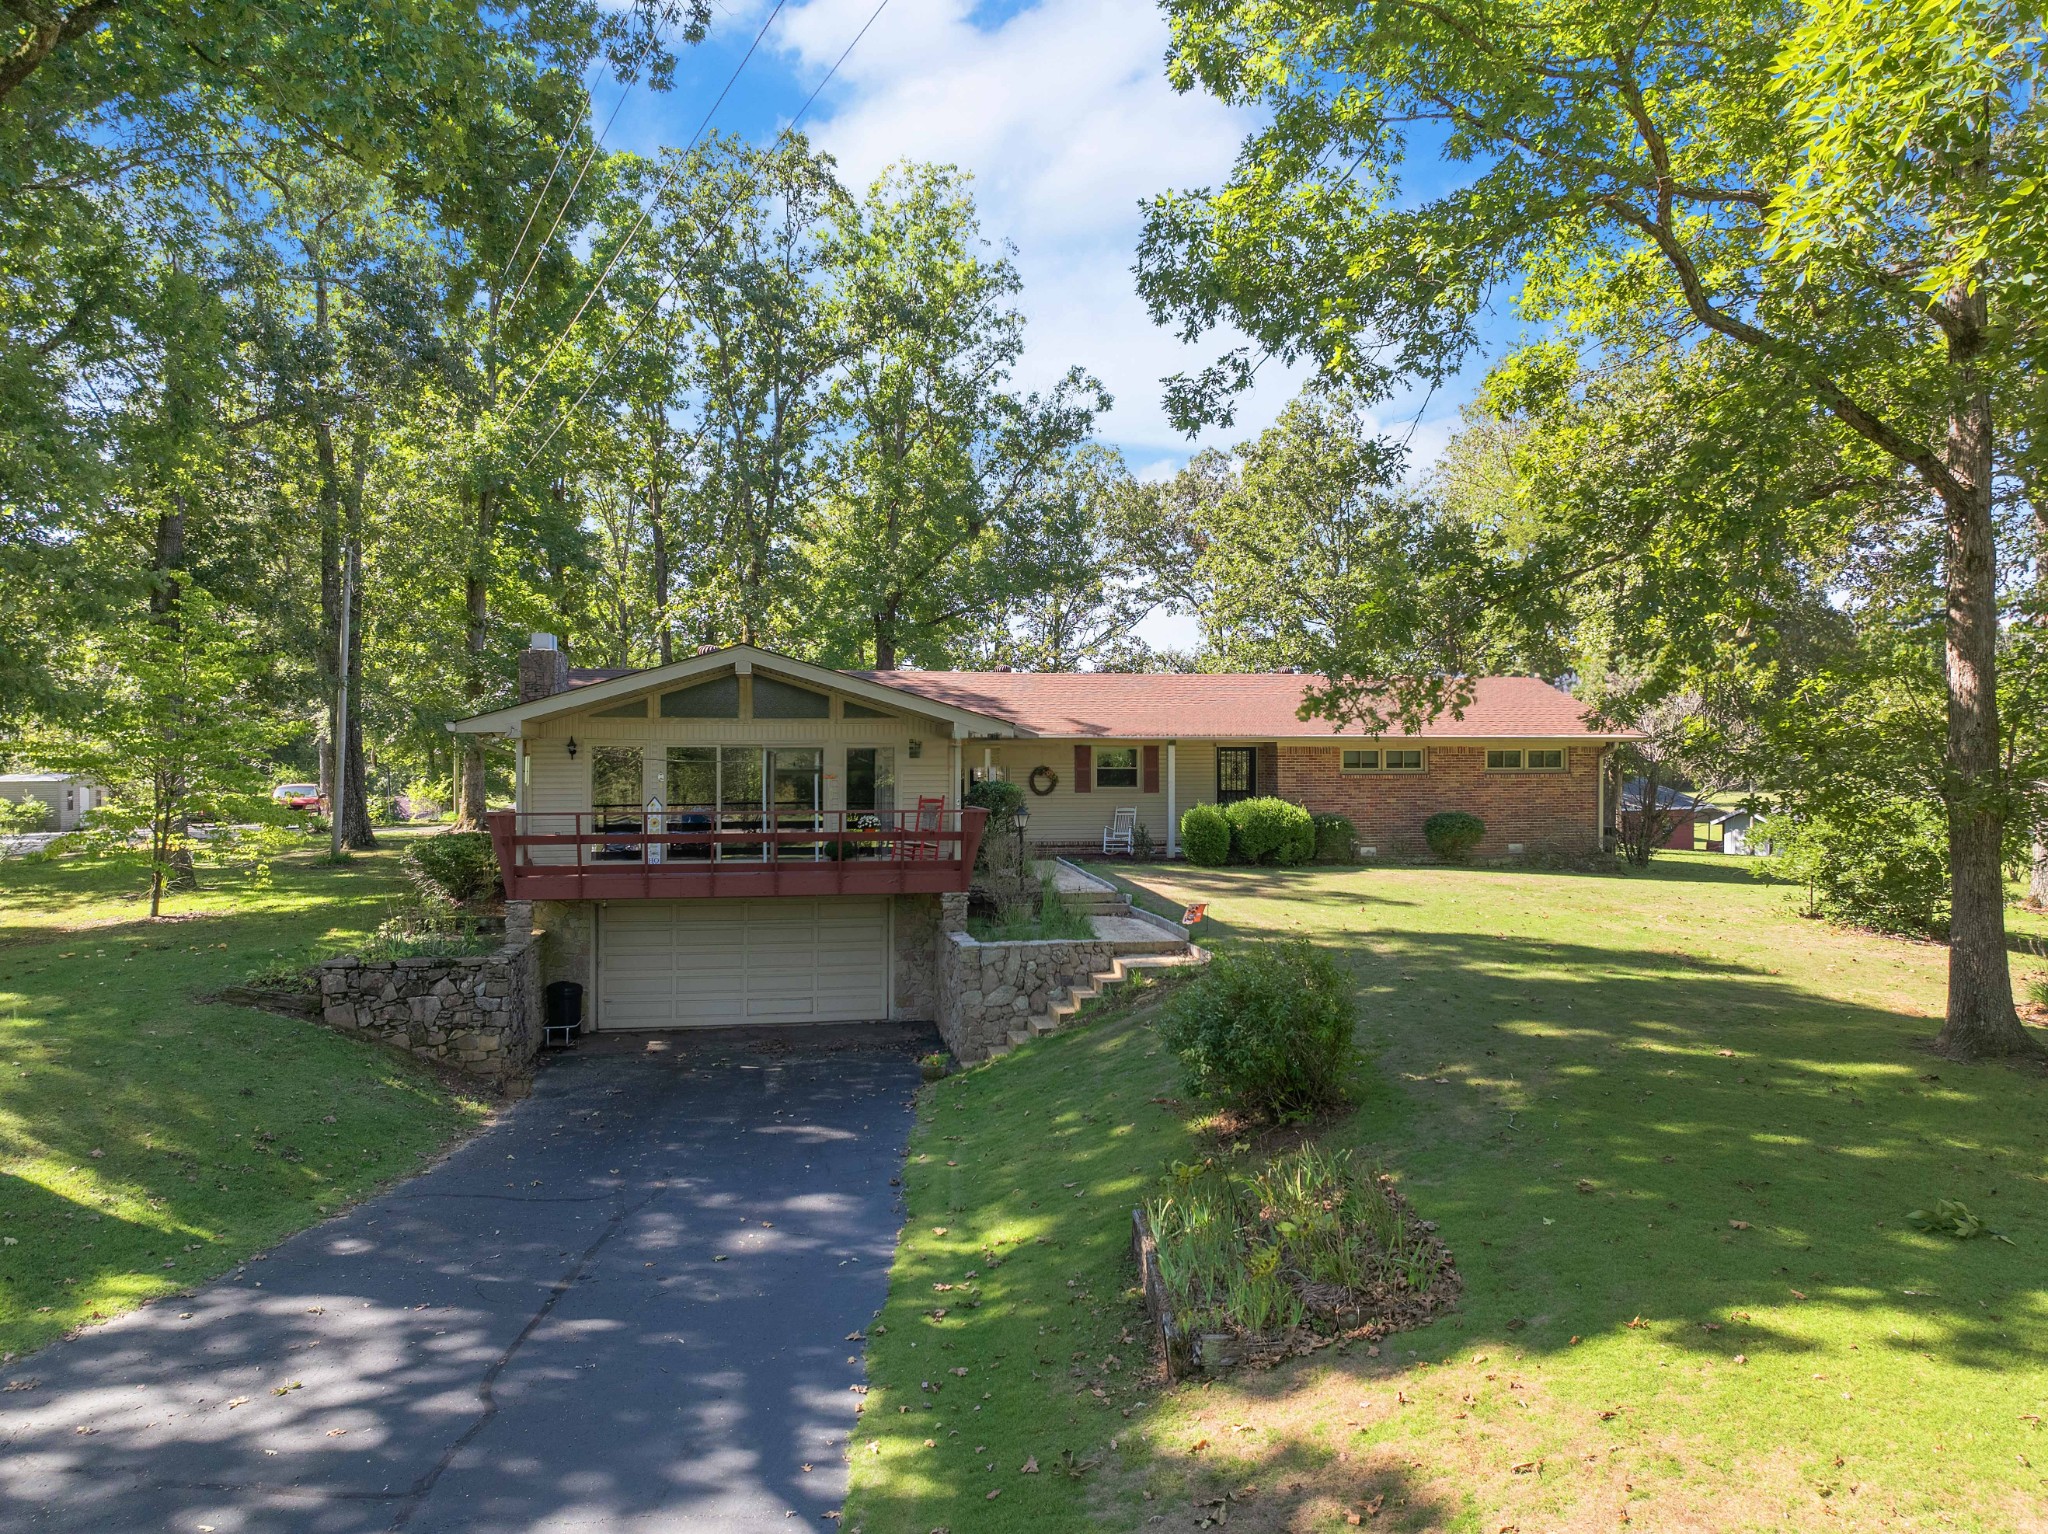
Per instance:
{"type": "Point", "coordinates": [564, 1012]}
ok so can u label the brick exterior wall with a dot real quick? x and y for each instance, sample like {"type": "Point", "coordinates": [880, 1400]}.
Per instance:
{"type": "Point", "coordinates": [1553, 811]}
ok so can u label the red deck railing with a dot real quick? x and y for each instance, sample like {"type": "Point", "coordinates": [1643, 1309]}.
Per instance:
{"type": "Point", "coordinates": [695, 854]}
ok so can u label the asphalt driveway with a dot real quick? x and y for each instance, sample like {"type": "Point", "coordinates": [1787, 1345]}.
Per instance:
{"type": "Point", "coordinates": [625, 1307]}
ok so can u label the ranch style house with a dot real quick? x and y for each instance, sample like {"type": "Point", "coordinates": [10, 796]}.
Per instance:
{"type": "Point", "coordinates": [742, 837]}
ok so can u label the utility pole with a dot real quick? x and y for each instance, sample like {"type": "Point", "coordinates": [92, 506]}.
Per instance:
{"type": "Point", "coordinates": [339, 750]}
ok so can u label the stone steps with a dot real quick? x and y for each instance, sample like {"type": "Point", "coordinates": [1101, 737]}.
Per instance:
{"type": "Point", "coordinates": [1062, 1009]}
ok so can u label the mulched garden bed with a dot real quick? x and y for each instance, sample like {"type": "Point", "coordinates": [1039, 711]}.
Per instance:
{"type": "Point", "coordinates": [1403, 1273]}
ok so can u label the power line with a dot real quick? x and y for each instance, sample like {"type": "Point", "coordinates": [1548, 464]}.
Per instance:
{"type": "Point", "coordinates": [562, 418]}
{"type": "Point", "coordinates": [568, 198]}
{"type": "Point", "coordinates": [646, 213]}
{"type": "Point", "coordinates": [541, 197]}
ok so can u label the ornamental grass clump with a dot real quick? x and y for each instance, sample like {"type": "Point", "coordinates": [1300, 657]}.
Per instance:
{"type": "Point", "coordinates": [1266, 1031]}
{"type": "Point", "coordinates": [1258, 1248]}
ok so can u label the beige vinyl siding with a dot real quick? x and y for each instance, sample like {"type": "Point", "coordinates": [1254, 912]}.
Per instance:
{"type": "Point", "coordinates": [1065, 816]}
{"type": "Point", "coordinates": [554, 782]}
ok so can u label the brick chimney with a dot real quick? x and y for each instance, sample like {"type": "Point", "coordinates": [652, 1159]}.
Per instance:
{"type": "Point", "coordinates": [543, 669]}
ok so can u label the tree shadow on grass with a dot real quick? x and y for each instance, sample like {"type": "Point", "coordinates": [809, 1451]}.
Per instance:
{"type": "Point", "coordinates": [1616, 1137]}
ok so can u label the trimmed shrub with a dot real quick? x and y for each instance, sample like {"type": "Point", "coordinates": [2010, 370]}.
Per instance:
{"type": "Point", "coordinates": [458, 866]}
{"type": "Point", "coordinates": [1271, 830]}
{"type": "Point", "coordinates": [1336, 839]}
{"type": "Point", "coordinates": [999, 796]}
{"type": "Point", "coordinates": [1452, 834]}
{"type": "Point", "coordinates": [1266, 1030]}
{"type": "Point", "coordinates": [1205, 835]}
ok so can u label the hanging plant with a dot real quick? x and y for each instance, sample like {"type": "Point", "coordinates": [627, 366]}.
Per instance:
{"type": "Point", "coordinates": [1043, 781]}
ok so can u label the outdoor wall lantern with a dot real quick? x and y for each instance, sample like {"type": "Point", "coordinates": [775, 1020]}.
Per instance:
{"type": "Point", "coordinates": [572, 748]}
{"type": "Point", "coordinates": [1022, 819]}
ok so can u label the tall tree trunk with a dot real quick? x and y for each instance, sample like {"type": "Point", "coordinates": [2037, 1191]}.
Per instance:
{"type": "Point", "coordinates": [476, 603]}
{"type": "Point", "coordinates": [1981, 1020]}
{"type": "Point", "coordinates": [357, 834]}
{"type": "Point", "coordinates": [2037, 886]}
{"type": "Point", "coordinates": [885, 636]}
{"type": "Point", "coordinates": [658, 577]}
{"type": "Point", "coordinates": [476, 593]}
{"type": "Point", "coordinates": [173, 862]}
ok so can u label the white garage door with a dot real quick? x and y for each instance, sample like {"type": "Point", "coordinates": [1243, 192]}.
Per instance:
{"type": "Point", "coordinates": [732, 963]}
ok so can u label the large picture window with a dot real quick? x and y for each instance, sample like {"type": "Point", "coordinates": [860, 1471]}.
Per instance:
{"type": "Point", "coordinates": [615, 780]}
{"type": "Point", "coordinates": [1116, 766]}
{"type": "Point", "coordinates": [743, 788]}
{"type": "Point", "coordinates": [870, 779]}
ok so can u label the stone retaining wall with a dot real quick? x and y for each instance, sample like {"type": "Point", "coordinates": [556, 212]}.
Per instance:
{"type": "Point", "coordinates": [987, 989]}
{"type": "Point", "coordinates": [480, 1015]}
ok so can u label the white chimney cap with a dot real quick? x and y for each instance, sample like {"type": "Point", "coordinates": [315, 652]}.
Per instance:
{"type": "Point", "coordinates": [542, 642]}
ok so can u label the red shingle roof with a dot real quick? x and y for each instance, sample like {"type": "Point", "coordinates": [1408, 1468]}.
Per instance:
{"type": "Point", "coordinates": [1226, 706]}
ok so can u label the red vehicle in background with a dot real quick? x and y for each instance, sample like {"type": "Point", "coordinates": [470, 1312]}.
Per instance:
{"type": "Point", "coordinates": [300, 796]}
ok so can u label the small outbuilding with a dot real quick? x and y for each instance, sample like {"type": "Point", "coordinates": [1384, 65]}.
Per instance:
{"type": "Point", "coordinates": [68, 798]}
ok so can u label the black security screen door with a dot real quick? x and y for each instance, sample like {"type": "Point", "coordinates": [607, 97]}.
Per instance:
{"type": "Point", "coordinates": [1237, 773]}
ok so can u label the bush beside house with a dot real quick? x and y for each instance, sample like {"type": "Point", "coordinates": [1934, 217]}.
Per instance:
{"type": "Point", "coordinates": [1270, 830]}
{"type": "Point", "coordinates": [456, 866]}
{"type": "Point", "coordinates": [1336, 839]}
{"type": "Point", "coordinates": [1266, 1031]}
{"type": "Point", "coordinates": [1205, 835]}
{"type": "Point", "coordinates": [1452, 834]}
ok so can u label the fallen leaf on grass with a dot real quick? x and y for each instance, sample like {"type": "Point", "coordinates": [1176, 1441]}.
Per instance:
{"type": "Point", "coordinates": [1637, 1325]}
{"type": "Point", "coordinates": [1738, 1225]}
{"type": "Point", "coordinates": [1529, 1467]}
{"type": "Point", "coordinates": [1030, 1466]}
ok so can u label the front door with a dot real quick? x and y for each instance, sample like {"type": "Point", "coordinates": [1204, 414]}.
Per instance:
{"type": "Point", "coordinates": [1237, 773]}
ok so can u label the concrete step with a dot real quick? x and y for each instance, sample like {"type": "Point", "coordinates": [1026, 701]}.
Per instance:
{"type": "Point", "coordinates": [1137, 935]}
{"type": "Point", "coordinates": [1101, 905]}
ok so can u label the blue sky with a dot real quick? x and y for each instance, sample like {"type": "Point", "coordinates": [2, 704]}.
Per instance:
{"type": "Point", "coordinates": [1061, 110]}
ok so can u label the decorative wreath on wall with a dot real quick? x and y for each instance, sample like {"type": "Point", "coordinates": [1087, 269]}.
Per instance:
{"type": "Point", "coordinates": [1043, 781]}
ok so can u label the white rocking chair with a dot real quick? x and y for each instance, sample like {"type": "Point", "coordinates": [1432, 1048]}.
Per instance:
{"type": "Point", "coordinates": [1122, 835]}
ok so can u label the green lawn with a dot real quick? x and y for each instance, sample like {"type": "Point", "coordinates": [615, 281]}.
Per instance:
{"type": "Point", "coordinates": [1671, 1132]}
{"type": "Point", "coordinates": [150, 1140]}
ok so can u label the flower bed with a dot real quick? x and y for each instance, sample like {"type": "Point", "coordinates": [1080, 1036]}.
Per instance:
{"type": "Point", "coordinates": [1256, 1260]}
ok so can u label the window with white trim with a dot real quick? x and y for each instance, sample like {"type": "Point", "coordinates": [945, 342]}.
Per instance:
{"type": "Point", "coordinates": [1525, 759]}
{"type": "Point", "coordinates": [1116, 766]}
{"type": "Point", "coordinates": [1365, 760]}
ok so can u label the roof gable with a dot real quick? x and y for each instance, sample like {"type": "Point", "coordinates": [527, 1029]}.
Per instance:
{"type": "Point", "coordinates": [591, 691]}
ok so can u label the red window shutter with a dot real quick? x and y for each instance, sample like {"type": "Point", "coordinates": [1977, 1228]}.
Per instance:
{"type": "Point", "coordinates": [1151, 769]}
{"type": "Point", "coordinates": [1084, 769]}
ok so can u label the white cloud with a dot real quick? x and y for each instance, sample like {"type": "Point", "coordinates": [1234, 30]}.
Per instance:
{"type": "Point", "coordinates": [1063, 114]}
